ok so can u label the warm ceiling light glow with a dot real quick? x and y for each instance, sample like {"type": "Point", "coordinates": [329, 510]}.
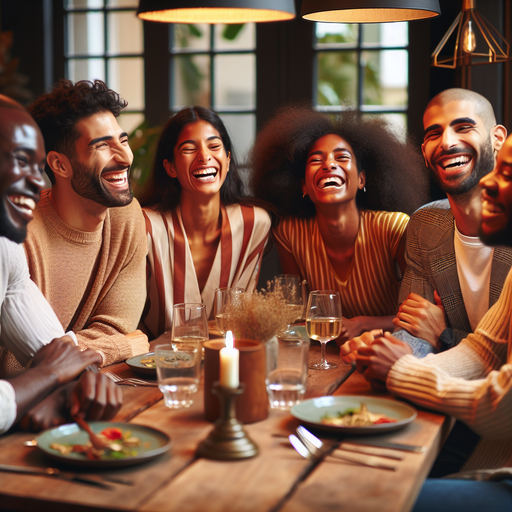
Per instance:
{"type": "Point", "coordinates": [369, 11]}
{"type": "Point", "coordinates": [216, 11]}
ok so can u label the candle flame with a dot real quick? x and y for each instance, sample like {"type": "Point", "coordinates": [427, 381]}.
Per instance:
{"type": "Point", "coordinates": [229, 340]}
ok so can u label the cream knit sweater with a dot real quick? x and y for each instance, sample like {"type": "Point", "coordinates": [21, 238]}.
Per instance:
{"type": "Point", "coordinates": [472, 382]}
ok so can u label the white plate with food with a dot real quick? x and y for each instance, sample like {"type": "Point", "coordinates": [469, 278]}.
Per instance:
{"type": "Point", "coordinates": [354, 415]}
{"type": "Point", "coordinates": [132, 444]}
{"type": "Point", "coordinates": [143, 363]}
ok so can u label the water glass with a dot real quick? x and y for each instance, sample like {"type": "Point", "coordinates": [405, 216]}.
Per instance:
{"type": "Point", "coordinates": [178, 372]}
{"type": "Point", "coordinates": [189, 324]}
{"type": "Point", "coordinates": [223, 298]}
{"type": "Point", "coordinates": [291, 288]}
{"type": "Point", "coordinates": [286, 378]}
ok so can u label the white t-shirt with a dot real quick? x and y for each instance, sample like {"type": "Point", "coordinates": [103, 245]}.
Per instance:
{"type": "Point", "coordinates": [474, 262]}
{"type": "Point", "coordinates": [27, 320]}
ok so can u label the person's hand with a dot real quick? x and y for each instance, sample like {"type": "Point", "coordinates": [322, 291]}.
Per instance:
{"type": "Point", "coordinates": [64, 360]}
{"type": "Point", "coordinates": [375, 360]}
{"type": "Point", "coordinates": [348, 351]}
{"type": "Point", "coordinates": [95, 397]}
{"type": "Point", "coordinates": [350, 328]}
{"type": "Point", "coordinates": [49, 413]}
{"type": "Point", "coordinates": [421, 318]}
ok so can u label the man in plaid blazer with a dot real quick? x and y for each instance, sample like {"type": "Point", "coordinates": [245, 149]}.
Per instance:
{"type": "Point", "coordinates": [452, 279]}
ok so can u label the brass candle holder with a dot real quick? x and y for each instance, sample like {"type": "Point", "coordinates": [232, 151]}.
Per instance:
{"type": "Point", "coordinates": [228, 440]}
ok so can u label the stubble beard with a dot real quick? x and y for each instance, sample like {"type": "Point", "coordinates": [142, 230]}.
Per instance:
{"type": "Point", "coordinates": [87, 183]}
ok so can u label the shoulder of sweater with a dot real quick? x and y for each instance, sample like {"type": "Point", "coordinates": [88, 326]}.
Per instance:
{"type": "Point", "coordinates": [129, 215]}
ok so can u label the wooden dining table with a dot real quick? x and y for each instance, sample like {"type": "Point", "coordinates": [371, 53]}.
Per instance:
{"type": "Point", "coordinates": [277, 479]}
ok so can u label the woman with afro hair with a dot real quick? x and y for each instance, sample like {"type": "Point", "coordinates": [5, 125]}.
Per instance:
{"type": "Point", "coordinates": [343, 188]}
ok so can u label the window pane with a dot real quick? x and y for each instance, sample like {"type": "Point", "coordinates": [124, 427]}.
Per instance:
{"type": "Point", "coordinates": [191, 37]}
{"type": "Point", "coordinates": [123, 3]}
{"type": "Point", "coordinates": [385, 77]}
{"type": "Point", "coordinates": [124, 33]}
{"type": "Point", "coordinates": [336, 34]}
{"type": "Point", "coordinates": [386, 34]}
{"type": "Point", "coordinates": [190, 83]}
{"type": "Point", "coordinates": [129, 122]}
{"type": "Point", "coordinates": [235, 84]}
{"type": "Point", "coordinates": [126, 77]}
{"type": "Point", "coordinates": [86, 69]}
{"type": "Point", "coordinates": [82, 4]}
{"type": "Point", "coordinates": [337, 78]}
{"type": "Point", "coordinates": [235, 37]}
{"type": "Point", "coordinates": [242, 131]}
{"type": "Point", "coordinates": [85, 34]}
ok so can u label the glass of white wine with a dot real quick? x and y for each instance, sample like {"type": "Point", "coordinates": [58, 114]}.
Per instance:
{"type": "Point", "coordinates": [224, 297]}
{"type": "Point", "coordinates": [323, 321]}
{"type": "Point", "coordinates": [189, 325]}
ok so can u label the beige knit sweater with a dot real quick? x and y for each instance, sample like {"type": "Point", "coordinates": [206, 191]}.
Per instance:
{"type": "Point", "coordinates": [95, 282]}
{"type": "Point", "coordinates": [472, 382]}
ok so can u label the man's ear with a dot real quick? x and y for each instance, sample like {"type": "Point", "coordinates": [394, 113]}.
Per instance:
{"type": "Point", "coordinates": [424, 157]}
{"type": "Point", "coordinates": [59, 164]}
{"type": "Point", "coordinates": [498, 136]}
{"type": "Point", "coordinates": [169, 169]}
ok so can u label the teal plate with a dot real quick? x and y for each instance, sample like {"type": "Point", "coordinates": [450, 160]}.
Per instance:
{"type": "Point", "coordinates": [310, 413]}
{"type": "Point", "coordinates": [152, 444]}
{"type": "Point", "coordinates": [135, 364]}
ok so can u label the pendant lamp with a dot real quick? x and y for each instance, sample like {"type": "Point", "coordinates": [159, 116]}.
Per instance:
{"type": "Point", "coordinates": [471, 40]}
{"type": "Point", "coordinates": [369, 11]}
{"type": "Point", "coordinates": [216, 11]}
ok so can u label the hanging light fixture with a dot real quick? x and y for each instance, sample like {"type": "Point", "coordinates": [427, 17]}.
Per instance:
{"type": "Point", "coordinates": [474, 39]}
{"type": "Point", "coordinates": [216, 11]}
{"type": "Point", "coordinates": [369, 11]}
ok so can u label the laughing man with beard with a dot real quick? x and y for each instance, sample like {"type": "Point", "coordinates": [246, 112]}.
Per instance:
{"type": "Point", "coordinates": [86, 246]}
{"type": "Point", "coordinates": [452, 278]}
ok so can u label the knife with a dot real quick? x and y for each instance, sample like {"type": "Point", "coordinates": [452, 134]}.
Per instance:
{"type": "Point", "coordinates": [386, 444]}
{"type": "Point", "coordinates": [55, 473]}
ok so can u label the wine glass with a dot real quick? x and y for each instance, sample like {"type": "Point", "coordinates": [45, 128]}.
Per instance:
{"type": "Point", "coordinates": [323, 321]}
{"type": "Point", "coordinates": [189, 324]}
{"type": "Point", "coordinates": [291, 288]}
{"type": "Point", "coordinates": [224, 297]}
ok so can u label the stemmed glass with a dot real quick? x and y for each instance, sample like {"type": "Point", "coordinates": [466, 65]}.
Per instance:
{"type": "Point", "coordinates": [323, 321]}
{"type": "Point", "coordinates": [224, 297]}
{"type": "Point", "coordinates": [189, 324]}
{"type": "Point", "coordinates": [290, 287]}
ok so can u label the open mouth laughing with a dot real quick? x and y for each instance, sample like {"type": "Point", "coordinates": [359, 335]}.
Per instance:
{"type": "Point", "coordinates": [118, 179]}
{"type": "Point", "coordinates": [331, 181]}
{"type": "Point", "coordinates": [205, 175]}
{"type": "Point", "coordinates": [22, 204]}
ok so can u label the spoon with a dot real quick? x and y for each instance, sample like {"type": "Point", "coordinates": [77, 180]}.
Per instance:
{"type": "Point", "coordinates": [97, 442]}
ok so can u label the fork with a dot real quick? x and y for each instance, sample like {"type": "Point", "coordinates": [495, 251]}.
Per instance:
{"type": "Point", "coordinates": [309, 451]}
{"type": "Point", "coordinates": [130, 382]}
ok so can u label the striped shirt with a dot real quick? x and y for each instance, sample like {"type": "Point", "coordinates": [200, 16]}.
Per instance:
{"type": "Point", "coordinates": [171, 273]}
{"type": "Point", "coordinates": [370, 287]}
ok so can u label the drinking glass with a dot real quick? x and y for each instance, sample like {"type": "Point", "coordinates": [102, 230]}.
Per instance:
{"type": "Point", "coordinates": [323, 321]}
{"type": "Point", "coordinates": [224, 297]}
{"type": "Point", "coordinates": [189, 324]}
{"type": "Point", "coordinates": [291, 288]}
{"type": "Point", "coordinates": [177, 369]}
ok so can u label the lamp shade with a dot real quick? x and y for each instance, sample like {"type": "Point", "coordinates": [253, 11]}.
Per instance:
{"type": "Point", "coordinates": [369, 11]}
{"type": "Point", "coordinates": [216, 11]}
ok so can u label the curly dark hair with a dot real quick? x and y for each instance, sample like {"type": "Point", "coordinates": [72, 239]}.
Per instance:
{"type": "Point", "coordinates": [395, 172]}
{"type": "Point", "coordinates": [163, 192]}
{"type": "Point", "coordinates": [58, 111]}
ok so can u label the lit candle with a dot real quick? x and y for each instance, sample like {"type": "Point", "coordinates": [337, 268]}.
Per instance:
{"type": "Point", "coordinates": [229, 364]}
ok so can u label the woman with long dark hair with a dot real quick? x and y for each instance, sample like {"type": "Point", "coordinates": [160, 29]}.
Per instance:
{"type": "Point", "coordinates": [203, 232]}
{"type": "Point", "coordinates": [340, 186]}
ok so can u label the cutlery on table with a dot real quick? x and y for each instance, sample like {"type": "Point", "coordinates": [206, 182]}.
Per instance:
{"type": "Point", "coordinates": [387, 444]}
{"type": "Point", "coordinates": [130, 381]}
{"type": "Point", "coordinates": [308, 437]}
{"type": "Point", "coordinates": [54, 472]}
{"type": "Point", "coordinates": [306, 452]}
{"type": "Point", "coordinates": [96, 441]}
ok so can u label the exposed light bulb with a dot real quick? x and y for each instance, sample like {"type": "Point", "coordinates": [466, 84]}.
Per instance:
{"type": "Point", "coordinates": [468, 38]}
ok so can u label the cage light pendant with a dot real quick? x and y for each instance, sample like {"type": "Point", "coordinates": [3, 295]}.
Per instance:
{"type": "Point", "coordinates": [369, 11]}
{"type": "Point", "coordinates": [216, 11]}
{"type": "Point", "coordinates": [473, 41]}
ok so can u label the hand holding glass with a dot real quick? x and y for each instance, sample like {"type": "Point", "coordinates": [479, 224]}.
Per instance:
{"type": "Point", "coordinates": [323, 321]}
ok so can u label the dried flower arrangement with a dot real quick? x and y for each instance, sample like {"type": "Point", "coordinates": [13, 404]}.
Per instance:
{"type": "Point", "coordinates": [259, 315]}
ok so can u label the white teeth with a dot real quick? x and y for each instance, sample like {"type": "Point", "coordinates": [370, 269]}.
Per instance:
{"type": "Point", "coordinates": [330, 181]}
{"type": "Point", "coordinates": [459, 160]}
{"type": "Point", "coordinates": [204, 172]}
{"type": "Point", "coordinates": [115, 177]}
{"type": "Point", "coordinates": [23, 201]}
